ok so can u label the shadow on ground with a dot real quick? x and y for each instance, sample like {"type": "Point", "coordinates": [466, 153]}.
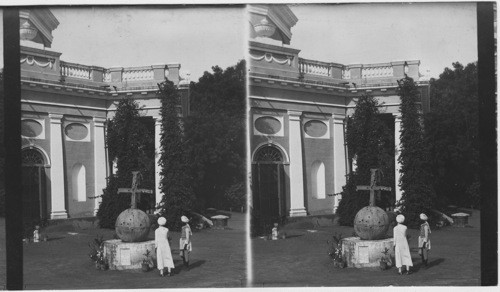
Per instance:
{"type": "Point", "coordinates": [217, 260]}
{"type": "Point", "coordinates": [299, 261]}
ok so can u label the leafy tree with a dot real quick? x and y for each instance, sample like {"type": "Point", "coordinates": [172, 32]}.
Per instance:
{"type": "Point", "coordinates": [371, 142]}
{"type": "Point", "coordinates": [176, 183]}
{"type": "Point", "coordinates": [416, 177]}
{"type": "Point", "coordinates": [130, 143]}
{"type": "Point", "coordinates": [216, 133]}
{"type": "Point", "coordinates": [452, 134]}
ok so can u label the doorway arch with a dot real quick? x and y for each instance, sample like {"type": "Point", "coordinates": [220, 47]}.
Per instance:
{"type": "Point", "coordinates": [268, 187]}
{"type": "Point", "coordinates": [34, 184]}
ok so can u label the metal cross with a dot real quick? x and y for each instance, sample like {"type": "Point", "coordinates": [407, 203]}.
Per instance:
{"type": "Point", "coordinates": [134, 190]}
{"type": "Point", "coordinates": [372, 187]}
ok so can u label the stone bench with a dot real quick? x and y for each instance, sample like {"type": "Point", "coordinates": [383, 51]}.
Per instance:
{"type": "Point", "coordinates": [460, 219]}
{"type": "Point", "coordinates": [220, 221]}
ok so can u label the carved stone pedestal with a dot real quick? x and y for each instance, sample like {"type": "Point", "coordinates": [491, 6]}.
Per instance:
{"type": "Point", "coordinates": [128, 255]}
{"type": "Point", "coordinates": [360, 253]}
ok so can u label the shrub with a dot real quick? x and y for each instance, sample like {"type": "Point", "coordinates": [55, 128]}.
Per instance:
{"type": "Point", "coordinates": [416, 176]}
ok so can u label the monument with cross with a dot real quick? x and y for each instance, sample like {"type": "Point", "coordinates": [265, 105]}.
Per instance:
{"type": "Point", "coordinates": [132, 227]}
{"type": "Point", "coordinates": [134, 190]}
{"type": "Point", "coordinates": [372, 222]}
{"type": "Point", "coordinates": [370, 225]}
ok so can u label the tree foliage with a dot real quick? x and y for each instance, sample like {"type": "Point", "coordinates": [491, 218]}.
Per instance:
{"type": "Point", "coordinates": [416, 177]}
{"type": "Point", "coordinates": [452, 134]}
{"type": "Point", "coordinates": [176, 180]}
{"type": "Point", "coordinates": [371, 143]}
{"type": "Point", "coordinates": [216, 134]}
{"type": "Point", "coordinates": [130, 143]}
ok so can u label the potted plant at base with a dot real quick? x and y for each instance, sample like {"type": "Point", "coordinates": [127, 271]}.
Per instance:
{"type": "Point", "coordinates": [96, 253]}
{"type": "Point", "coordinates": [385, 260]}
{"type": "Point", "coordinates": [335, 251]}
{"type": "Point", "coordinates": [146, 261]}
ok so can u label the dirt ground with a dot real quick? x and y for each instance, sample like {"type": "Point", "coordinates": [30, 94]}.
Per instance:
{"type": "Point", "coordinates": [302, 260]}
{"type": "Point", "coordinates": [218, 260]}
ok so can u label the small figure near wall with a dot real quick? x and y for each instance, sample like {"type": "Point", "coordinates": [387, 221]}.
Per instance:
{"type": "Point", "coordinates": [424, 243]}
{"type": "Point", "coordinates": [274, 232]}
{"type": "Point", "coordinates": [36, 234]}
{"type": "Point", "coordinates": [185, 246]}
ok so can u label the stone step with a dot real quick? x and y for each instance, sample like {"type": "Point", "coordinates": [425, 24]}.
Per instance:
{"type": "Point", "coordinates": [312, 221]}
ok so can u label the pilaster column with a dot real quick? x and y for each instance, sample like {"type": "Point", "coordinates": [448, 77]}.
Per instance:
{"type": "Point", "coordinates": [339, 156]}
{"type": "Point", "coordinates": [397, 165]}
{"type": "Point", "coordinates": [58, 209]}
{"type": "Point", "coordinates": [296, 170]}
{"type": "Point", "coordinates": [100, 165]}
{"type": "Point", "coordinates": [159, 194]}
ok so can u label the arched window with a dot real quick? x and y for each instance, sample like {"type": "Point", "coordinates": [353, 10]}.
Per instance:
{"type": "Point", "coordinates": [78, 183]}
{"type": "Point", "coordinates": [318, 180]}
{"type": "Point", "coordinates": [268, 154]}
{"type": "Point", "coordinates": [32, 157]}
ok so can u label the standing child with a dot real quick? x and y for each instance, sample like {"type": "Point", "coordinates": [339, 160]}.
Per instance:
{"type": "Point", "coordinates": [274, 232]}
{"type": "Point", "coordinates": [163, 252]}
{"type": "Point", "coordinates": [36, 234]}
{"type": "Point", "coordinates": [424, 243]}
{"type": "Point", "coordinates": [401, 248]}
{"type": "Point", "coordinates": [185, 247]}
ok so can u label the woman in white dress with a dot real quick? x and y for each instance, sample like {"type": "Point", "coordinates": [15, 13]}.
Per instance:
{"type": "Point", "coordinates": [163, 252]}
{"type": "Point", "coordinates": [185, 246]}
{"type": "Point", "coordinates": [401, 248]}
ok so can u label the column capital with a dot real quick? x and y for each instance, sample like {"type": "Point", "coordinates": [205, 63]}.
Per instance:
{"type": "Point", "coordinates": [338, 118]}
{"type": "Point", "coordinates": [56, 116]}
{"type": "Point", "coordinates": [158, 120]}
{"type": "Point", "coordinates": [294, 115]}
{"type": "Point", "coordinates": [99, 121]}
{"type": "Point", "coordinates": [397, 117]}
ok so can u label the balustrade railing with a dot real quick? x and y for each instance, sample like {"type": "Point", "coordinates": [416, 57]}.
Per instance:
{"type": "Point", "coordinates": [315, 67]}
{"type": "Point", "coordinates": [137, 74]}
{"type": "Point", "coordinates": [106, 76]}
{"type": "Point", "coordinates": [377, 71]}
{"type": "Point", "coordinates": [346, 73]}
{"type": "Point", "coordinates": [311, 67]}
{"type": "Point", "coordinates": [74, 70]}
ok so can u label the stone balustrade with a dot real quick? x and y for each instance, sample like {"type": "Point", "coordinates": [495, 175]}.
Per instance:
{"type": "Point", "coordinates": [318, 68]}
{"type": "Point", "coordinates": [118, 75]}
{"type": "Point", "coordinates": [74, 70]}
{"type": "Point", "coordinates": [137, 74]}
{"type": "Point", "coordinates": [314, 67]}
{"type": "Point", "coordinates": [359, 72]}
{"type": "Point", "coordinates": [376, 70]}
{"type": "Point", "coordinates": [45, 65]}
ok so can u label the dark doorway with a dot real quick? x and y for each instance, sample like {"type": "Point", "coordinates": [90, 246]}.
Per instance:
{"type": "Point", "coordinates": [33, 177]}
{"type": "Point", "coordinates": [268, 189]}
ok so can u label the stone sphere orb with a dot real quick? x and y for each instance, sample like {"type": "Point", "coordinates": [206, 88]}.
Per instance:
{"type": "Point", "coordinates": [371, 223]}
{"type": "Point", "coordinates": [132, 225]}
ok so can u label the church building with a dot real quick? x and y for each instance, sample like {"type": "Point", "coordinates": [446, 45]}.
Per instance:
{"type": "Point", "coordinates": [65, 107]}
{"type": "Point", "coordinates": [297, 117]}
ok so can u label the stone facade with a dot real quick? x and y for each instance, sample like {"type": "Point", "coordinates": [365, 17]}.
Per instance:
{"type": "Point", "coordinates": [64, 111]}
{"type": "Point", "coordinates": [298, 107]}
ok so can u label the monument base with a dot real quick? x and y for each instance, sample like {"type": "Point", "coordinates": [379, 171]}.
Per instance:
{"type": "Point", "coordinates": [128, 255]}
{"type": "Point", "coordinates": [360, 253]}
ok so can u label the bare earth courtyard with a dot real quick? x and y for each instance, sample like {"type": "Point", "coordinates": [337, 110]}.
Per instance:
{"type": "Point", "coordinates": [218, 260]}
{"type": "Point", "coordinates": [302, 260]}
